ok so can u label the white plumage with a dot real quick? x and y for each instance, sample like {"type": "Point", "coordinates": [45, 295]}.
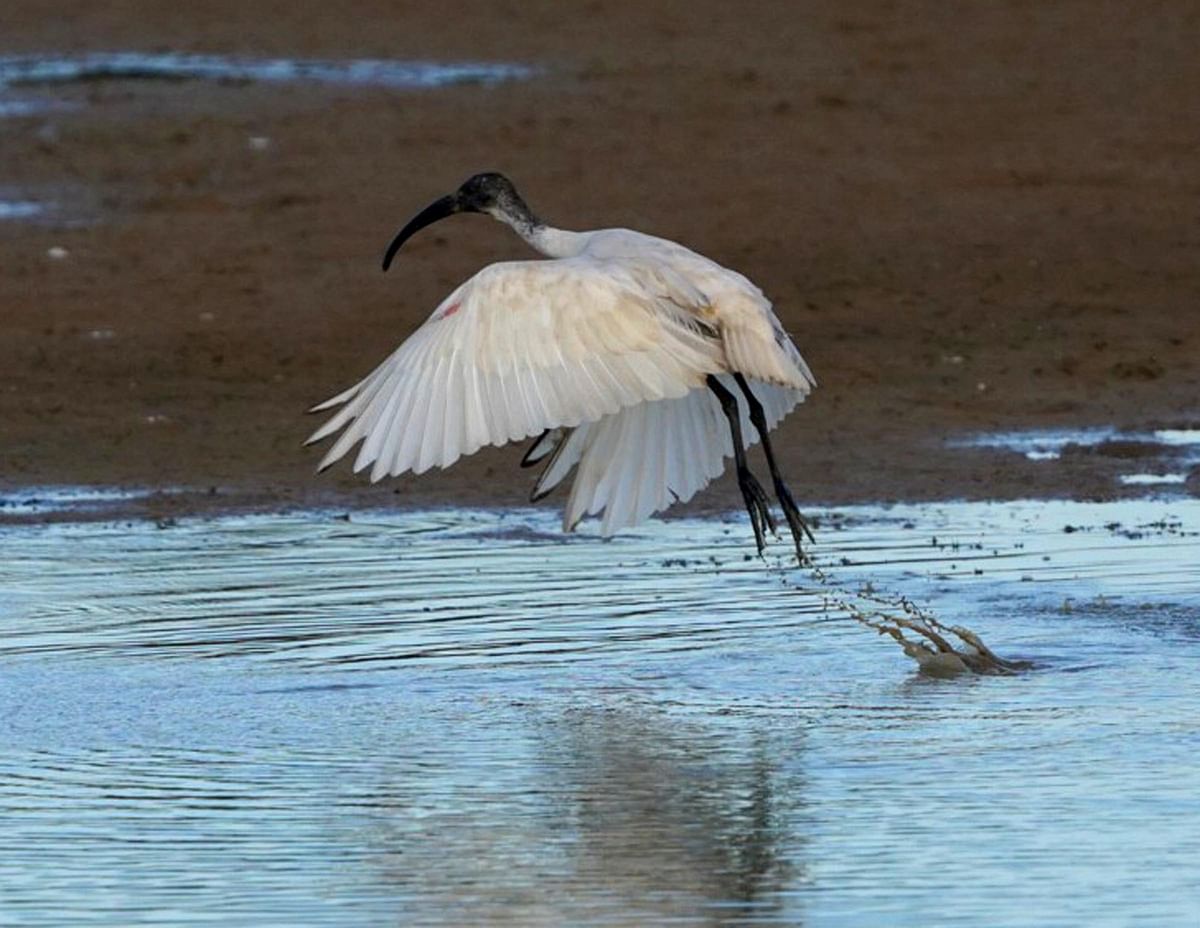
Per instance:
{"type": "Point", "coordinates": [608, 348]}
{"type": "Point", "coordinates": [652, 455]}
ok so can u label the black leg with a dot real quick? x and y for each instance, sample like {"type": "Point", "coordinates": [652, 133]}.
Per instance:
{"type": "Point", "coordinates": [755, 497]}
{"type": "Point", "coordinates": [790, 511]}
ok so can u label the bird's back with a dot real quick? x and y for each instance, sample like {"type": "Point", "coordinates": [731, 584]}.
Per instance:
{"type": "Point", "coordinates": [756, 343]}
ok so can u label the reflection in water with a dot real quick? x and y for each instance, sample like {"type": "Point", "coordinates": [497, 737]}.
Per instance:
{"type": "Point", "coordinates": [618, 816]}
{"type": "Point", "coordinates": [459, 718]}
{"type": "Point", "coordinates": [686, 821]}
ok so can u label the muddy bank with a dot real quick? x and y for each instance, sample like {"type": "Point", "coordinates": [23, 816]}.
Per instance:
{"type": "Point", "coordinates": [978, 228]}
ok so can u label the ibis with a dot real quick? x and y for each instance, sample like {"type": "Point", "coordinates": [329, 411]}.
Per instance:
{"type": "Point", "coordinates": [632, 361]}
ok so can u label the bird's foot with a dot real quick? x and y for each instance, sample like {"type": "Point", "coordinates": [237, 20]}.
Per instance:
{"type": "Point", "coordinates": [758, 506]}
{"type": "Point", "coordinates": [796, 522]}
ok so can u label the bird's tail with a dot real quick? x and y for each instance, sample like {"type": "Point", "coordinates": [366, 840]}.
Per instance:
{"type": "Point", "coordinates": [645, 458]}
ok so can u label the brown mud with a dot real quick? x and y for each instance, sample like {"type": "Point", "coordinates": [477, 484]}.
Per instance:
{"type": "Point", "coordinates": [969, 222]}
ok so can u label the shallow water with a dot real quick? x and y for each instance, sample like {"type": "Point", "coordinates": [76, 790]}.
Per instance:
{"type": "Point", "coordinates": [25, 502]}
{"type": "Point", "coordinates": [20, 209]}
{"type": "Point", "coordinates": [19, 108]}
{"type": "Point", "coordinates": [56, 68]}
{"type": "Point", "coordinates": [464, 718]}
{"type": "Point", "coordinates": [1155, 457]}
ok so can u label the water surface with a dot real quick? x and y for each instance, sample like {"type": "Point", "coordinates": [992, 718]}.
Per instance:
{"type": "Point", "coordinates": [458, 718]}
{"type": "Point", "coordinates": [58, 68]}
{"type": "Point", "coordinates": [20, 209]}
{"type": "Point", "coordinates": [1155, 457]}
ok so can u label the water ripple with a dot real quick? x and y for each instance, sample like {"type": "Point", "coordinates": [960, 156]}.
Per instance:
{"type": "Point", "coordinates": [464, 718]}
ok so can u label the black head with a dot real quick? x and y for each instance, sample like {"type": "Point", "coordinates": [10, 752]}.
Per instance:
{"type": "Point", "coordinates": [489, 193]}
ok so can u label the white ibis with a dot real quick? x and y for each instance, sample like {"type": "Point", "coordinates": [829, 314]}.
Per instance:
{"type": "Point", "coordinates": [624, 354]}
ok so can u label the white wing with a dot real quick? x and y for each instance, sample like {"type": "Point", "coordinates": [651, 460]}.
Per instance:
{"type": "Point", "coordinates": [522, 347]}
{"type": "Point", "coordinates": [645, 458]}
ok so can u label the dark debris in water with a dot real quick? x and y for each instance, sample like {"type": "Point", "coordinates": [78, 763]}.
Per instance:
{"type": "Point", "coordinates": [1160, 527]}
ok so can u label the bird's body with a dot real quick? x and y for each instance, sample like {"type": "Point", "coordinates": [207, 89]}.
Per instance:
{"type": "Point", "coordinates": [615, 351]}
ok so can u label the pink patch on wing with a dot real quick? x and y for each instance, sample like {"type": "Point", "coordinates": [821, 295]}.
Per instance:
{"type": "Point", "coordinates": [449, 311]}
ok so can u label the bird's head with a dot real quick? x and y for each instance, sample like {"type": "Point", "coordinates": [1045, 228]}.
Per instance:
{"type": "Point", "coordinates": [490, 193]}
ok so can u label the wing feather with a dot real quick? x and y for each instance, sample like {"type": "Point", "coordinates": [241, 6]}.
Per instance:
{"type": "Point", "coordinates": [566, 455]}
{"type": "Point", "coordinates": [520, 348]}
{"type": "Point", "coordinates": [395, 421]}
{"type": "Point", "coordinates": [645, 458]}
{"type": "Point", "coordinates": [392, 397]}
{"type": "Point", "coordinates": [480, 399]}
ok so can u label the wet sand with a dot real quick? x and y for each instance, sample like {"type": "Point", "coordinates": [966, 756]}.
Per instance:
{"type": "Point", "coordinates": [970, 224]}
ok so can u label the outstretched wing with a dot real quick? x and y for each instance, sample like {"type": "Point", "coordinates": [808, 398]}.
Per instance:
{"type": "Point", "coordinates": [523, 347]}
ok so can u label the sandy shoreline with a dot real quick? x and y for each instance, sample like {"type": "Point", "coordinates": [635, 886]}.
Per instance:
{"type": "Point", "coordinates": [965, 230]}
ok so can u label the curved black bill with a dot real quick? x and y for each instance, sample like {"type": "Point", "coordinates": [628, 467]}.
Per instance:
{"type": "Point", "coordinates": [439, 209]}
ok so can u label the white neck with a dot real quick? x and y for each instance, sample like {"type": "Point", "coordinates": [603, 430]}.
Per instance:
{"type": "Point", "coordinates": [554, 243]}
